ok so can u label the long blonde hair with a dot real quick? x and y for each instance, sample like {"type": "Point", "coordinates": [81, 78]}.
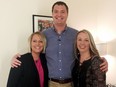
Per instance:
{"type": "Point", "coordinates": [93, 50]}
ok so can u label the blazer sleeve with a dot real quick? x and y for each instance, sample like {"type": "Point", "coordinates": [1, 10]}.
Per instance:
{"type": "Point", "coordinates": [14, 76]}
{"type": "Point", "coordinates": [98, 77]}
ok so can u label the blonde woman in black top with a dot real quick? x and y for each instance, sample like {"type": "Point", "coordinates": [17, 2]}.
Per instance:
{"type": "Point", "coordinates": [86, 72]}
{"type": "Point", "coordinates": [33, 71]}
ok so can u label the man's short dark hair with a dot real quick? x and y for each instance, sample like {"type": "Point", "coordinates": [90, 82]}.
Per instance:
{"type": "Point", "coordinates": [60, 3]}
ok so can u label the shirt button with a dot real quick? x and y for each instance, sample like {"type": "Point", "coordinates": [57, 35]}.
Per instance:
{"type": "Point", "coordinates": [59, 36]}
{"type": "Point", "coordinates": [60, 69]}
{"type": "Point", "coordinates": [59, 52]}
{"type": "Point", "coordinates": [59, 44]}
{"type": "Point", "coordinates": [59, 60]}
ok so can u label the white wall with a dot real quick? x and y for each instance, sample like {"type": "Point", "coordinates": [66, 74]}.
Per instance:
{"type": "Point", "coordinates": [98, 16]}
{"type": "Point", "coordinates": [107, 33]}
{"type": "Point", "coordinates": [16, 26]}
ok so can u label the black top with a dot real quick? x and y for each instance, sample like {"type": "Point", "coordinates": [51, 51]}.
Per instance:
{"type": "Point", "coordinates": [88, 74]}
{"type": "Point", "coordinates": [26, 75]}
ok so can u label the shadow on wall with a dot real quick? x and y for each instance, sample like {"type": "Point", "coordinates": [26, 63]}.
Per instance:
{"type": "Point", "coordinates": [112, 48]}
{"type": "Point", "coordinates": [110, 85]}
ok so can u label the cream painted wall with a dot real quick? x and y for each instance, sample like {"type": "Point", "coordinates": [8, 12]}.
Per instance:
{"type": "Point", "coordinates": [99, 17]}
{"type": "Point", "coordinates": [16, 26]}
{"type": "Point", "coordinates": [107, 33]}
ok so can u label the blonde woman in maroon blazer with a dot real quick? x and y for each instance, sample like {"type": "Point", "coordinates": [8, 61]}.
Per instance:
{"type": "Point", "coordinates": [33, 71]}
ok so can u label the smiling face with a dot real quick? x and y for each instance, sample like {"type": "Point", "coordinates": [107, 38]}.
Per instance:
{"type": "Point", "coordinates": [83, 42]}
{"type": "Point", "coordinates": [59, 14]}
{"type": "Point", "coordinates": [37, 44]}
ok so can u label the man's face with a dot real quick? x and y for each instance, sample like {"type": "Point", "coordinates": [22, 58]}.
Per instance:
{"type": "Point", "coordinates": [59, 14]}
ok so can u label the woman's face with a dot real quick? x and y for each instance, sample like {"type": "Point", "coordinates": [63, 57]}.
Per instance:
{"type": "Point", "coordinates": [37, 44]}
{"type": "Point", "coordinates": [83, 43]}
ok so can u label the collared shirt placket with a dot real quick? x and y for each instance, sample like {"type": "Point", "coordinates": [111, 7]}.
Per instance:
{"type": "Point", "coordinates": [60, 54]}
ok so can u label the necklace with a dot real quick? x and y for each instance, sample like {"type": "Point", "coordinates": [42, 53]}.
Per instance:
{"type": "Point", "coordinates": [80, 63]}
{"type": "Point", "coordinates": [83, 59]}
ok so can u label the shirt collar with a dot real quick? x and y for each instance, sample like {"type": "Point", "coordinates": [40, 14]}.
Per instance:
{"type": "Point", "coordinates": [62, 31]}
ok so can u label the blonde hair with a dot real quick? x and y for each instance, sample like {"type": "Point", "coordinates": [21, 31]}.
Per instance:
{"type": "Point", "coordinates": [42, 38]}
{"type": "Point", "coordinates": [93, 50]}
